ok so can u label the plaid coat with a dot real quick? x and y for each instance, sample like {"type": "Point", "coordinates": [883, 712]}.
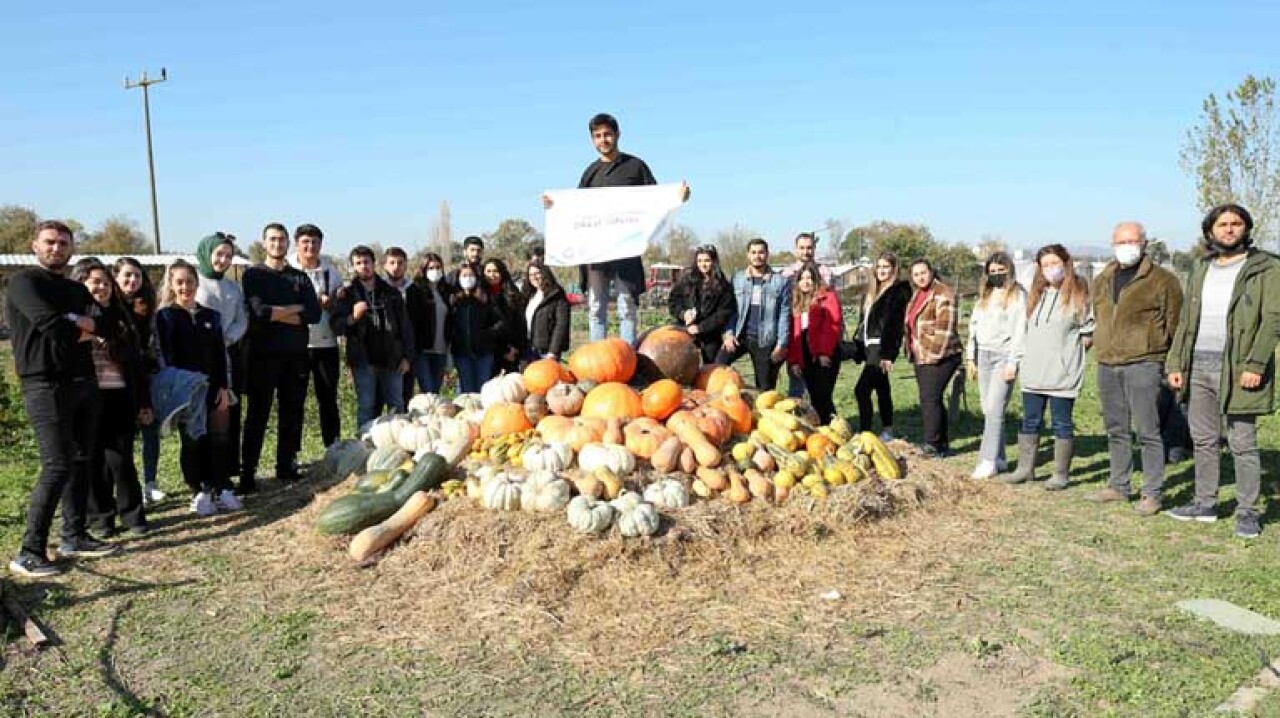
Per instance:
{"type": "Point", "coordinates": [932, 329]}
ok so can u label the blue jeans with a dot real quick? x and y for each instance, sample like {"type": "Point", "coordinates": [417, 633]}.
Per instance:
{"type": "Point", "coordinates": [1059, 409]}
{"type": "Point", "coordinates": [795, 386]}
{"type": "Point", "coordinates": [377, 387]}
{"type": "Point", "coordinates": [598, 311]}
{"type": "Point", "coordinates": [429, 371]}
{"type": "Point", "coordinates": [473, 371]}
{"type": "Point", "coordinates": [150, 451]}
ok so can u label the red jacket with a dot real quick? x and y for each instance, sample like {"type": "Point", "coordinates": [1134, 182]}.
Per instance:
{"type": "Point", "coordinates": [826, 328]}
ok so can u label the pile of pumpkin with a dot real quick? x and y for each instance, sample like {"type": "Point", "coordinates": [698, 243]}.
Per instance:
{"type": "Point", "coordinates": [616, 437]}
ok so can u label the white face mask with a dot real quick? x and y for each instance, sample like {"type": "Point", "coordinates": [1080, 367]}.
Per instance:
{"type": "Point", "coordinates": [467, 282]}
{"type": "Point", "coordinates": [1054, 274]}
{"type": "Point", "coordinates": [1128, 254]}
{"type": "Point", "coordinates": [433, 275]}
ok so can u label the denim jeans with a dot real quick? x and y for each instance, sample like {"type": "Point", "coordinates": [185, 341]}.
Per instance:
{"type": "Point", "coordinates": [64, 415]}
{"type": "Point", "coordinates": [1205, 416]}
{"type": "Point", "coordinates": [1130, 395]}
{"type": "Point", "coordinates": [428, 369]}
{"type": "Point", "coordinates": [795, 386]}
{"type": "Point", "coordinates": [1059, 410]}
{"type": "Point", "coordinates": [377, 388]}
{"type": "Point", "coordinates": [473, 371]}
{"type": "Point", "coordinates": [994, 392]}
{"type": "Point", "coordinates": [598, 309]}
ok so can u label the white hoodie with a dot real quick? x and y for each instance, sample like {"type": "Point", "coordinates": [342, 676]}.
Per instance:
{"type": "Point", "coordinates": [327, 280]}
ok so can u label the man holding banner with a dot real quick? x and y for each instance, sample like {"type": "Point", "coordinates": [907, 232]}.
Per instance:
{"type": "Point", "coordinates": [605, 232]}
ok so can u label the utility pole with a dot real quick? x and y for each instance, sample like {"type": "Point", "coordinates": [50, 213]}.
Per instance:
{"type": "Point", "coordinates": [145, 83]}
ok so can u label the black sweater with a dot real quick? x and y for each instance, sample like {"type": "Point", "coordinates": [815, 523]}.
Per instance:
{"type": "Point", "coordinates": [476, 326]}
{"type": "Point", "coordinates": [382, 336]}
{"type": "Point", "coordinates": [420, 303]}
{"type": "Point", "coordinates": [45, 342]}
{"type": "Point", "coordinates": [194, 343]}
{"type": "Point", "coordinates": [715, 306]}
{"type": "Point", "coordinates": [885, 319]}
{"type": "Point", "coordinates": [549, 330]}
{"type": "Point", "coordinates": [265, 288]}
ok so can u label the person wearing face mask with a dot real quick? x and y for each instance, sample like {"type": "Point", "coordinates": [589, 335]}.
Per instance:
{"type": "Point", "coordinates": [509, 303]}
{"type": "Point", "coordinates": [934, 347]}
{"type": "Point", "coordinates": [1050, 362]}
{"type": "Point", "coordinates": [877, 341]}
{"type": "Point", "coordinates": [476, 328]}
{"type": "Point", "coordinates": [1136, 306]}
{"type": "Point", "coordinates": [995, 327]}
{"type": "Point", "coordinates": [427, 304]}
{"type": "Point", "coordinates": [1223, 361]}
{"type": "Point", "coordinates": [222, 294]}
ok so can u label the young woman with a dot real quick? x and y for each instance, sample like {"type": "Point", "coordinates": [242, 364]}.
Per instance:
{"type": "Point", "coordinates": [546, 314]}
{"type": "Point", "coordinates": [995, 328]}
{"type": "Point", "coordinates": [427, 303]}
{"type": "Point", "coordinates": [817, 323]}
{"type": "Point", "coordinates": [1223, 356]}
{"type": "Point", "coordinates": [1050, 360]}
{"type": "Point", "coordinates": [223, 295]}
{"type": "Point", "coordinates": [878, 340]}
{"type": "Point", "coordinates": [702, 301]}
{"type": "Point", "coordinates": [140, 297]}
{"type": "Point", "coordinates": [125, 389]}
{"type": "Point", "coordinates": [476, 326]}
{"type": "Point", "coordinates": [934, 348]}
{"type": "Point", "coordinates": [190, 337]}
{"type": "Point", "coordinates": [505, 297]}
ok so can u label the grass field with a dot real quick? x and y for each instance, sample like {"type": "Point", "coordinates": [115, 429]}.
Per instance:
{"type": "Point", "coordinates": [1015, 601]}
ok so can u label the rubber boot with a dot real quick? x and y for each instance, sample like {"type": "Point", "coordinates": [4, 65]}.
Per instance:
{"type": "Point", "coordinates": [1026, 469]}
{"type": "Point", "coordinates": [1063, 450]}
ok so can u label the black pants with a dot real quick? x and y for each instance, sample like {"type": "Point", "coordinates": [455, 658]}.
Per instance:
{"type": "Point", "coordinates": [821, 383]}
{"type": "Point", "coordinates": [64, 416]}
{"type": "Point", "coordinates": [766, 369]}
{"type": "Point", "coordinates": [204, 463]}
{"type": "Point", "coordinates": [709, 347]}
{"type": "Point", "coordinates": [235, 353]}
{"type": "Point", "coordinates": [873, 381]}
{"type": "Point", "coordinates": [932, 380]}
{"type": "Point", "coordinates": [325, 373]}
{"type": "Point", "coordinates": [114, 489]}
{"type": "Point", "coordinates": [268, 377]}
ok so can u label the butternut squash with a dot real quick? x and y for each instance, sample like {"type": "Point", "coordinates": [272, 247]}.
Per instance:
{"type": "Point", "coordinates": [685, 425]}
{"type": "Point", "coordinates": [688, 462]}
{"type": "Point", "coordinates": [714, 479]}
{"type": "Point", "coordinates": [667, 458]}
{"type": "Point", "coordinates": [613, 433]}
{"type": "Point", "coordinates": [375, 538]}
{"type": "Point", "coordinates": [738, 492]}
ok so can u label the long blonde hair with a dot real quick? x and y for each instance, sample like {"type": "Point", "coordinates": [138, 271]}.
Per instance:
{"type": "Point", "coordinates": [1074, 291]}
{"type": "Point", "coordinates": [167, 296]}
{"type": "Point", "coordinates": [801, 302]}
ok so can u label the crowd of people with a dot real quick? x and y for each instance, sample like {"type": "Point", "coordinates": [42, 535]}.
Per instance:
{"type": "Point", "coordinates": [99, 351]}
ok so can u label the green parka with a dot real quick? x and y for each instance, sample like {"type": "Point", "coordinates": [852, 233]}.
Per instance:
{"type": "Point", "coordinates": [1253, 327]}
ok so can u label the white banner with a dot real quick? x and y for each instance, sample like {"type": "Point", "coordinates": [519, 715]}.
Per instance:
{"type": "Point", "coordinates": [585, 226]}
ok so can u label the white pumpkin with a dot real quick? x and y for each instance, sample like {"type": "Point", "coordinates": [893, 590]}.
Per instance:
{"type": "Point", "coordinates": [451, 450]}
{"type": "Point", "coordinates": [424, 403]}
{"type": "Point", "coordinates": [385, 431]}
{"type": "Point", "coordinates": [606, 456]}
{"type": "Point", "coordinates": [507, 388]}
{"type": "Point", "coordinates": [544, 491]}
{"type": "Point", "coordinates": [468, 402]}
{"type": "Point", "coordinates": [451, 428]}
{"type": "Point", "coordinates": [589, 516]}
{"type": "Point", "coordinates": [549, 456]}
{"type": "Point", "coordinates": [413, 437]}
{"type": "Point", "coordinates": [667, 494]}
{"type": "Point", "coordinates": [636, 517]}
{"type": "Point", "coordinates": [501, 492]}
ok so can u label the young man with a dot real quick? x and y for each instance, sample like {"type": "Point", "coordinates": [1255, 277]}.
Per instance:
{"type": "Point", "coordinates": [379, 336]}
{"type": "Point", "coordinates": [1136, 305]}
{"type": "Point", "coordinates": [761, 323]}
{"type": "Point", "coordinates": [54, 364]}
{"type": "Point", "coordinates": [282, 303]}
{"type": "Point", "coordinates": [472, 254]}
{"type": "Point", "coordinates": [322, 343]}
{"type": "Point", "coordinates": [806, 250]}
{"type": "Point", "coordinates": [395, 267]}
{"type": "Point", "coordinates": [613, 169]}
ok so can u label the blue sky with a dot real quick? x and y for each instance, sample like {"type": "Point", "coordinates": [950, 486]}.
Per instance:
{"type": "Point", "coordinates": [1039, 124]}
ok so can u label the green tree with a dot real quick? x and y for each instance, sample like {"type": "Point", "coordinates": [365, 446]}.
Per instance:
{"type": "Point", "coordinates": [680, 243]}
{"type": "Point", "coordinates": [1234, 153]}
{"type": "Point", "coordinates": [732, 245]}
{"type": "Point", "coordinates": [117, 235]}
{"type": "Point", "coordinates": [257, 252]}
{"type": "Point", "coordinates": [907, 241]}
{"type": "Point", "coordinates": [989, 244]}
{"type": "Point", "coordinates": [509, 239]}
{"type": "Point", "coordinates": [18, 228]}
{"type": "Point", "coordinates": [1158, 251]}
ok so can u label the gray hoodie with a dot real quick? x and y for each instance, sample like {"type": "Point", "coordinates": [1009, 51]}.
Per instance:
{"type": "Point", "coordinates": [1051, 354]}
{"type": "Point", "coordinates": [327, 280]}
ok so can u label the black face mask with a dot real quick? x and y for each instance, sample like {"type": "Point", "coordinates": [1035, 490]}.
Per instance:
{"type": "Point", "coordinates": [996, 281]}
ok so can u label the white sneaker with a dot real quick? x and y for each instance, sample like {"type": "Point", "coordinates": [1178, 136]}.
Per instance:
{"type": "Point", "coordinates": [227, 501]}
{"type": "Point", "coordinates": [886, 436]}
{"type": "Point", "coordinates": [203, 504]}
{"type": "Point", "coordinates": [985, 470]}
{"type": "Point", "coordinates": [152, 495]}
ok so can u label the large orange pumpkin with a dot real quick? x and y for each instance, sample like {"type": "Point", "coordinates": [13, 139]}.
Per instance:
{"type": "Point", "coordinates": [661, 399]}
{"type": "Point", "coordinates": [576, 432]}
{"type": "Point", "coordinates": [504, 418]}
{"type": "Point", "coordinates": [543, 374]}
{"type": "Point", "coordinates": [713, 377]}
{"type": "Point", "coordinates": [608, 360]}
{"type": "Point", "coordinates": [672, 353]}
{"type": "Point", "coordinates": [613, 400]}
{"type": "Point", "coordinates": [644, 436]}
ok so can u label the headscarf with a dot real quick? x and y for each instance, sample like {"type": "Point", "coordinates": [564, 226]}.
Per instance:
{"type": "Point", "coordinates": [204, 254]}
